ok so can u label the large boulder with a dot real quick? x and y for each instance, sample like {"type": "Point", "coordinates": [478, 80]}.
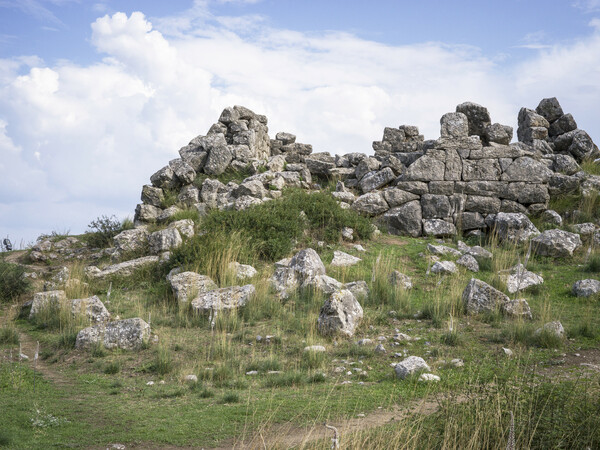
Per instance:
{"type": "Point", "coordinates": [371, 204]}
{"type": "Point", "coordinates": [454, 125]}
{"type": "Point", "coordinates": [225, 298]}
{"type": "Point", "coordinates": [405, 219]}
{"type": "Point", "coordinates": [478, 117]}
{"type": "Point", "coordinates": [127, 334]}
{"type": "Point", "coordinates": [480, 297]}
{"type": "Point", "coordinates": [410, 366]}
{"type": "Point", "coordinates": [556, 243]}
{"type": "Point", "coordinates": [42, 300]}
{"type": "Point", "coordinates": [519, 278]}
{"type": "Point", "coordinates": [376, 180]}
{"type": "Point", "coordinates": [341, 259]}
{"type": "Point", "coordinates": [92, 308]}
{"type": "Point", "coordinates": [131, 240]}
{"type": "Point", "coordinates": [511, 227]}
{"type": "Point", "coordinates": [164, 240]}
{"type": "Point", "coordinates": [123, 269]}
{"type": "Point", "coordinates": [188, 285]}
{"type": "Point", "coordinates": [438, 228]}
{"type": "Point", "coordinates": [340, 314]}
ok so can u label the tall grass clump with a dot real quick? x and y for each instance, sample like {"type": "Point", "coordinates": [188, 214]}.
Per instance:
{"type": "Point", "coordinates": [58, 317]}
{"type": "Point", "coordinates": [13, 282]}
{"type": "Point", "coordinates": [9, 335]}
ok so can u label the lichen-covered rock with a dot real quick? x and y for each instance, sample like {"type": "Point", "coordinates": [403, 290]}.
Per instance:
{"type": "Point", "coordinates": [46, 299]}
{"type": "Point", "coordinates": [127, 334]}
{"type": "Point", "coordinates": [131, 240]}
{"type": "Point", "coordinates": [340, 314]}
{"type": "Point", "coordinates": [469, 262]}
{"type": "Point", "coordinates": [442, 250]}
{"type": "Point", "coordinates": [438, 228]}
{"type": "Point", "coordinates": [400, 280]}
{"type": "Point", "coordinates": [519, 278]}
{"type": "Point", "coordinates": [324, 283]}
{"type": "Point", "coordinates": [122, 269]}
{"type": "Point", "coordinates": [512, 227]}
{"type": "Point", "coordinates": [517, 308]}
{"type": "Point", "coordinates": [91, 307]}
{"type": "Point", "coordinates": [444, 268]}
{"type": "Point", "coordinates": [554, 328]}
{"type": "Point", "coordinates": [556, 243]}
{"type": "Point", "coordinates": [454, 125]}
{"type": "Point", "coordinates": [184, 226]}
{"type": "Point", "coordinates": [243, 271]}
{"type": "Point", "coordinates": [224, 298]}
{"type": "Point", "coordinates": [410, 366]}
{"type": "Point", "coordinates": [586, 288]}
{"type": "Point", "coordinates": [479, 297]}
{"type": "Point", "coordinates": [405, 219]}
{"type": "Point", "coordinates": [359, 289]}
{"type": "Point", "coordinates": [164, 240]}
{"type": "Point", "coordinates": [341, 259]}
{"type": "Point", "coordinates": [187, 285]}
{"type": "Point", "coordinates": [371, 204]}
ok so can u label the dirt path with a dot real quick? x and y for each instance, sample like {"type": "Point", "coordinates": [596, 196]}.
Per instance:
{"type": "Point", "coordinates": [288, 435]}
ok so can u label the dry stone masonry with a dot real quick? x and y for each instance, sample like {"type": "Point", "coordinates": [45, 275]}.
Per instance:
{"type": "Point", "coordinates": [471, 178]}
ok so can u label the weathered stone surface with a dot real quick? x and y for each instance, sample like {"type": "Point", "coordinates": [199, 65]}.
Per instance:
{"type": "Point", "coordinates": [511, 227]}
{"type": "Point", "coordinates": [482, 255]}
{"type": "Point", "coordinates": [242, 271]}
{"type": "Point", "coordinates": [131, 240]}
{"type": "Point", "coordinates": [528, 170]}
{"type": "Point", "coordinates": [410, 366]}
{"type": "Point", "coordinates": [478, 117]}
{"type": "Point", "coordinates": [517, 308]}
{"type": "Point", "coordinates": [152, 196]}
{"type": "Point", "coordinates": [586, 288]}
{"type": "Point", "coordinates": [164, 178]}
{"type": "Point", "coordinates": [365, 166]}
{"type": "Point", "coordinates": [565, 164]}
{"type": "Point", "coordinates": [480, 297]}
{"type": "Point", "coordinates": [500, 134]}
{"type": "Point", "coordinates": [187, 285]}
{"type": "Point", "coordinates": [189, 195]}
{"type": "Point", "coordinates": [341, 259]}
{"type": "Point", "coordinates": [359, 289]}
{"type": "Point", "coordinates": [42, 300]}
{"type": "Point", "coordinates": [435, 206]}
{"type": "Point", "coordinates": [469, 262]}
{"type": "Point", "coordinates": [405, 219]}
{"type": "Point", "coordinates": [584, 229]}
{"type": "Point", "coordinates": [219, 155]}
{"type": "Point", "coordinates": [147, 213]}
{"type": "Point", "coordinates": [483, 205]}
{"type": "Point", "coordinates": [225, 298]}
{"type": "Point", "coordinates": [164, 240]}
{"type": "Point", "coordinates": [346, 197]}
{"type": "Point", "coordinates": [554, 328]}
{"type": "Point", "coordinates": [556, 243]}
{"type": "Point", "coordinates": [438, 228]}
{"type": "Point", "coordinates": [401, 280]}
{"type": "Point", "coordinates": [442, 250]}
{"type": "Point", "coordinates": [396, 197]}
{"type": "Point", "coordinates": [122, 269]}
{"type": "Point", "coordinates": [324, 283]}
{"type": "Point", "coordinates": [128, 334]}
{"type": "Point", "coordinates": [340, 314]}
{"type": "Point", "coordinates": [307, 264]}
{"type": "Point", "coordinates": [551, 216]}
{"type": "Point", "coordinates": [376, 180]}
{"type": "Point", "coordinates": [562, 125]}
{"type": "Point", "coordinates": [454, 125]}
{"type": "Point", "coordinates": [582, 147]}
{"type": "Point", "coordinates": [481, 169]}
{"type": "Point", "coordinates": [184, 173]}
{"type": "Point", "coordinates": [371, 204]}
{"type": "Point", "coordinates": [444, 268]}
{"type": "Point", "coordinates": [518, 278]}
{"type": "Point", "coordinates": [550, 109]}
{"type": "Point", "coordinates": [414, 187]}
{"type": "Point", "coordinates": [320, 163]}
{"type": "Point", "coordinates": [91, 307]}
{"type": "Point", "coordinates": [425, 168]}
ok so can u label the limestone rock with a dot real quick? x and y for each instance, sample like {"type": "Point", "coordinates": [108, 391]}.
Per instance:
{"type": "Point", "coordinates": [517, 308]}
{"type": "Point", "coordinates": [376, 180]}
{"type": "Point", "coordinates": [121, 269]}
{"type": "Point", "coordinates": [454, 125]}
{"type": "Point", "coordinates": [224, 298]}
{"type": "Point", "coordinates": [340, 314]}
{"type": "Point", "coordinates": [91, 307]}
{"type": "Point", "coordinates": [359, 289]}
{"type": "Point", "coordinates": [512, 227]}
{"type": "Point", "coordinates": [469, 262]}
{"type": "Point", "coordinates": [444, 268]}
{"type": "Point", "coordinates": [324, 283]}
{"type": "Point", "coordinates": [410, 366]}
{"type": "Point", "coordinates": [42, 300]}
{"type": "Point", "coordinates": [478, 117]}
{"type": "Point", "coordinates": [519, 279]}
{"type": "Point", "coordinates": [187, 285]}
{"type": "Point", "coordinates": [164, 240]}
{"type": "Point", "coordinates": [401, 280]}
{"type": "Point", "coordinates": [438, 228]}
{"type": "Point", "coordinates": [131, 240]}
{"type": "Point", "coordinates": [479, 297]}
{"type": "Point", "coordinates": [586, 288]}
{"type": "Point", "coordinates": [556, 243]}
{"type": "Point", "coordinates": [341, 259]}
{"type": "Point", "coordinates": [371, 204]}
{"type": "Point", "coordinates": [128, 334]}
{"type": "Point", "coordinates": [442, 250]}
{"type": "Point", "coordinates": [242, 271]}
{"type": "Point", "coordinates": [555, 328]}
{"type": "Point", "coordinates": [405, 219]}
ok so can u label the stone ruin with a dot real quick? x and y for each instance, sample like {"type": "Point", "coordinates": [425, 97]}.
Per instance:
{"type": "Point", "coordinates": [411, 185]}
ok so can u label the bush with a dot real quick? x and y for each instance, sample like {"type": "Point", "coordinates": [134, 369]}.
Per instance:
{"type": "Point", "coordinates": [102, 230]}
{"type": "Point", "coordinates": [112, 368]}
{"type": "Point", "coordinates": [273, 227]}
{"type": "Point", "coordinates": [9, 335]}
{"type": "Point", "coordinates": [13, 283]}
{"type": "Point", "coordinates": [594, 264]}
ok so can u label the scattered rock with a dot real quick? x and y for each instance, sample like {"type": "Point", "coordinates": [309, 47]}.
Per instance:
{"type": "Point", "coordinates": [517, 308]}
{"type": "Point", "coordinates": [188, 285]}
{"type": "Point", "coordinates": [556, 243]}
{"type": "Point", "coordinates": [555, 328]}
{"type": "Point", "coordinates": [315, 348]}
{"type": "Point", "coordinates": [586, 288]}
{"type": "Point", "coordinates": [341, 259]}
{"type": "Point", "coordinates": [428, 377]}
{"type": "Point", "coordinates": [127, 334]}
{"type": "Point", "coordinates": [444, 268]}
{"type": "Point", "coordinates": [224, 298]}
{"type": "Point", "coordinates": [243, 271]}
{"type": "Point", "coordinates": [401, 280]}
{"type": "Point", "coordinates": [410, 366]}
{"type": "Point", "coordinates": [519, 279]}
{"type": "Point", "coordinates": [479, 297]}
{"type": "Point", "coordinates": [340, 314]}
{"type": "Point", "coordinates": [469, 262]}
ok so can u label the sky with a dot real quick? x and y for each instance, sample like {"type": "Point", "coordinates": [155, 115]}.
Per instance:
{"type": "Point", "coordinates": [95, 96]}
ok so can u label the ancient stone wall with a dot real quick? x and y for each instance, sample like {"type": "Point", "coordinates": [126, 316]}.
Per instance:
{"type": "Point", "coordinates": [413, 186]}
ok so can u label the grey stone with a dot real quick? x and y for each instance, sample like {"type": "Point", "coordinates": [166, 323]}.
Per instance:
{"type": "Point", "coordinates": [425, 168]}
{"type": "Point", "coordinates": [46, 299]}
{"type": "Point", "coordinates": [413, 187]}
{"type": "Point", "coordinates": [518, 308]}
{"type": "Point", "coordinates": [376, 180]}
{"type": "Point", "coordinates": [470, 221]}
{"type": "Point", "coordinates": [189, 195]}
{"type": "Point", "coordinates": [164, 240]}
{"type": "Point", "coordinates": [346, 197]}
{"type": "Point", "coordinates": [359, 289]}
{"type": "Point", "coordinates": [164, 178]}
{"type": "Point", "coordinates": [444, 267]}
{"type": "Point", "coordinates": [187, 285]}
{"type": "Point", "coordinates": [482, 255]}
{"type": "Point", "coordinates": [511, 227]}
{"type": "Point", "coordinates": [341, 259]}
{"type": "Point", "coordinates": [285, 138]}
{"type": "Point", "coordinates": [123, 269]}
{"type": "Point", "coordinates": [396, 197]}
{"type": "Point", "coordinates": [320, 163]}
{"type": "Point", "coordinates": [441, 187]}
{"type": "Point", "coordinates": [131, 240]}
{"type": "Point", "coordinates": [183, 171]}
{"type": "Point", "coordinates": [586, 288]}
{"type": "Point", "coordinates": [323, 283]}
{"type": "Point", "coordinates": [405, 219]}
{"type": "Point", "coordinates": [582, 147]}
{"type": "Point", "coordinates": [219, 155]}
{"type": "Point", "coordinates": [483, 205]}
{"type": "Point", "coordinates": [562, 125]}
{"type": "Point", "coordinates": [225, 298]}
{"type": "Point", "coordinates": [550, 109]}
{"type": "Point", "coordinates": [528, 170]}
{"type": "Point", "coordinates": [340, 314]}
{"type": "Point", "coordinates": [442, 250]}
{"type": "Point", "coordinates": [519, 278]}
{"type": "Point", "coordinates": [454, 125]}
{"type": "Point", "coordinates": [510, 206]}
{"type": "Point", "coordinates": [551, 216]}
{"type": "Point", "coordinates": [469, 262]}
{"type": "Point", "coordinates": [480, 297]}
{"type": "Point", "coordinates": [371, 204]}
{"type": "Point", "coordinates": [366, 166]}
{"type": "Point", "coordinates": [563, 184]}
{"type": "Point", "coordinates": [410, 366]}
{"type": "Point", "coordinates": [482, 169]}
{"type": "Point", "coordinates": [565, 164]}
{"type": "Point", "coordinates": [556, 243]}
{"type": "Point", "coordinates": [435, 206]}
{"type": "Point", "coordinates": [152, 196]}
{"type": "Point", "coordinates": [252, 188]}
{"type": "Point", "coordinates": [242, 271]}
{"type": "Point", "coordinates": [584, 229]}
{"type": "Point", "coordinates": [478, 117]}
{"type": "Point", "coordinates": [147, 213]}
{"type": "Point", "coordinates": [128, 334]}
{"type": "Point", "coordinates": [555, 328]}
{"type": "Point", "coordinates": [501, 134]}
{"type": "Point", "coordinates": [91, 307]}
{"type": "Point", "coordinates": [400, 280]}
{"type": "Point", "coordinates": [438, 228]}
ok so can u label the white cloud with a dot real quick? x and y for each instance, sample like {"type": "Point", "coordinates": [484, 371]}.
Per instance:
{"type": "Point", "coordinates": [589, 6]}
{"type": "Point", "coordinates": [88, 137]}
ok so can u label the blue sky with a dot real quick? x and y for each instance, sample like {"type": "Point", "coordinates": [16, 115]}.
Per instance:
{"type": "Point", "coordinates": [96, 96]}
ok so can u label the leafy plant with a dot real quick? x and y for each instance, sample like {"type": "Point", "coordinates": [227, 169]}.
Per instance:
{"type": "Point", "coordinates": [13, 282]}
{"type": "Point", "coordinates": [102, 230]}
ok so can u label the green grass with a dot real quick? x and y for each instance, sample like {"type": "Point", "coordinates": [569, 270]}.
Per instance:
{"type": "Point", "coordinates": [12, 282]}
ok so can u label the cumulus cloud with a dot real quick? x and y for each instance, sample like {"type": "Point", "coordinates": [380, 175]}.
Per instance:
{"type": "Point", "coordinates": [83, 139]}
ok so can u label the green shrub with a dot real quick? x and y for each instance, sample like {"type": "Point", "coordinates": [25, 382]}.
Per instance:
{"type": "Point", "coordinates": [230, 397]}
{"type": "Point", "coordinates": [273, 227]}
{"type": "Point", "coordinates": [112, 368]}
{"type": "Point", "coordinates": [206, 393]}
{"type": "Point", "coordinates": [163, 362]}
{"type": "Point", "coordinates": [13, 283]}
{"type": "Point", "coordinates": [593, 264]}
{"type": "Point", "coordinates": [102, 230]}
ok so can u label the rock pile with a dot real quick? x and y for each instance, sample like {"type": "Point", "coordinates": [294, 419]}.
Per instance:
{"type": "Point", "coordinates": [463, 180]}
